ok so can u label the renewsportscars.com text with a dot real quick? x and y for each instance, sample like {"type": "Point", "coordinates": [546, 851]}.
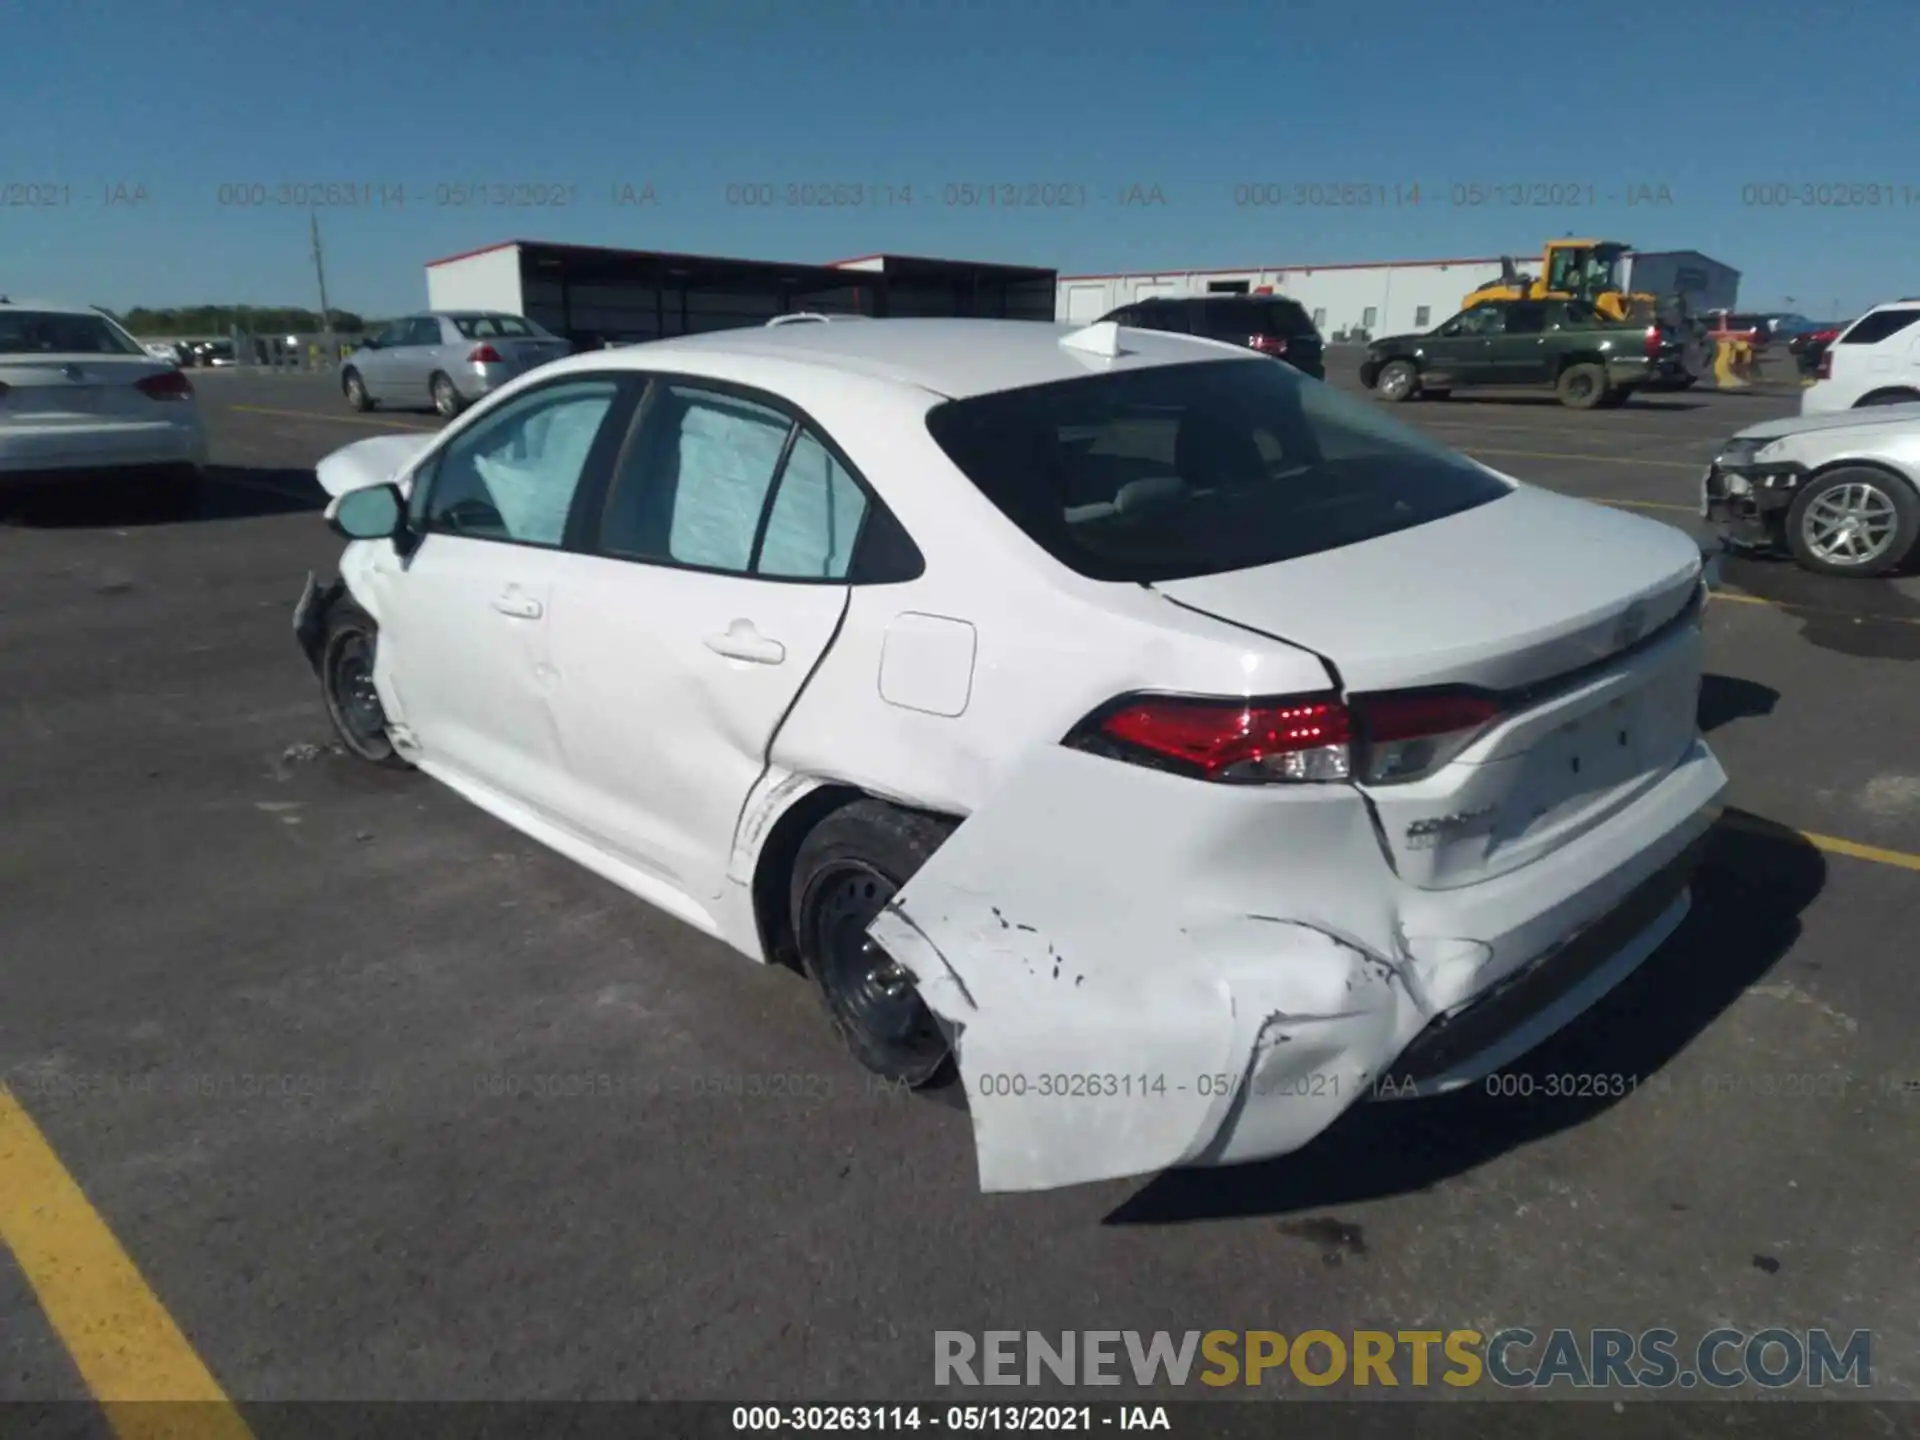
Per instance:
{"type": "Point", "coordinates": [1514, 1358]}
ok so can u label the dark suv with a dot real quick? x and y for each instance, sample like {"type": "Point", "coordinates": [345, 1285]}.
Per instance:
{"type": "Point", "coordinates": [1266, 323]}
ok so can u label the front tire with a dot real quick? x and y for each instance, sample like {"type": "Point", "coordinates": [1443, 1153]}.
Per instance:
{"type": "Point", "coordinates": [1398, 381]}
{"type": "Point", "coordinates": [1853, 521]}
{"type": "Point", "coordinates": [1582, 387]}
{"type": "Point", "coordinates": [356, 391]}
{"type": "Point", "coordinates": [847, 869]}
{"type": "Point", "coordinates": [346, 683]}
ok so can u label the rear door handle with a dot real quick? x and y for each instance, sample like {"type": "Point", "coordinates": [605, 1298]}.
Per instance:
{"type": "Point", "coordinates": [741, 641]}
{"type": "Point", "coordinates": [520, 607]}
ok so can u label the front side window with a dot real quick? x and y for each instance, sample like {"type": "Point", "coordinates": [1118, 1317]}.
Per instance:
{"type": "Point", "coordinates": [422, 330]}
{"type": "Point", "coordinates": [1526, 319]}
{"type": "Point", "coordinates": [57, 332]}
{"type": "Point", "coordinates": [512, 476]}
{"type": "Point", "coordinates": [1193, 469]}
{"type": "Point", "coordinates": [1483, 320]}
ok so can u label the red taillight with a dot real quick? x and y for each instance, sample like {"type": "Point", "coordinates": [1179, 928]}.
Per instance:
{"type": "Point", "coordinates": [1824, 370]}
{"type": "Point", "coordinates": [1653, 342]}
{"type": "Point", "coordinates": [1411, 733]}
{"type": "Point", "coordinates": [1298, 737]}
{"type": "Point", "coordinates": [484, 355]}
{"type": "Point", "coordinates": [1267, 344]}
{"type": "Point", "coordinates": [1384, 738]}
{"type": "Point", "coordinates": [167, 385]}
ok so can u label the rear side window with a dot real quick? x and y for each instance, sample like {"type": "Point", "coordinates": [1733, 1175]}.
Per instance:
{"type": "Point", "coordinates": [493, 327]}
{"type": "Point", "coordinates": [1881, 325]}
{"type": "Point", "coordinates": [55, 332]}
{"type": "Point", "coordinates": [1284, 317]}
{"type": "Point", "coordinates": [1185, 470]}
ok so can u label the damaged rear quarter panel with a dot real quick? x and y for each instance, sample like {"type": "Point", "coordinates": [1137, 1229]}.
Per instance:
{"type": "Point", "coordinates": [1117, 1002]}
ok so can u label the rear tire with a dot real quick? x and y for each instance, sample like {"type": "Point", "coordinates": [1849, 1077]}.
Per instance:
{"type": "Point", "coordinates": [356, 391]}
{"type": "Point", "coordinates": [1582, 387]}
{"type": "Point", "coordinates": [346, 684]}
{"type": "Point", "coordinates": [446, 400]}
{"type": "Point", "coordinates": [846, 871]}
{"type": "Point", "coordinates": [1854, 502]}
{"type": "Point", "coordinates": [1397, 381]}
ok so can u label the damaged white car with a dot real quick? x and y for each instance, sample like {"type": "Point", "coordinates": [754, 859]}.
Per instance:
{"type": "Point", "coordinates": [1172, 745]}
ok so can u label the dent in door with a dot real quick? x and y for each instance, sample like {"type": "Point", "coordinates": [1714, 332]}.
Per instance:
{"type": "Point", "coordinates": [926, 663]}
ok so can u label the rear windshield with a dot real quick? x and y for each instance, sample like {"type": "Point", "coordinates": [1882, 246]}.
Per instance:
{"type": "Point", "coordinates": [495, 327]}
{"type": "Point", "coordinates": [55, 332]}
{"type": "Point", "coordinates": [1285, 317]}
{"type": "Point", "coordinates": [1881, 325]}
{"type": "Point", "coordinates": [1185, 470]}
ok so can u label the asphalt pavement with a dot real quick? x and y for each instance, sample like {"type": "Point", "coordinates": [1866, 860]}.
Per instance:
{"type": "Point", "coordinates": [296, 1028]}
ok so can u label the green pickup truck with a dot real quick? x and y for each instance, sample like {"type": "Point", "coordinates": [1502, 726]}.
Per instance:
{"type": "Point", "coordinates": [1587, 360]}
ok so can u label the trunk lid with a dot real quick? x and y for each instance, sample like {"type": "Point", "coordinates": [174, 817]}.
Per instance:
{"type": "Point", "coordinates": [79, 389]}
{"type": "Point", "coordinates": [525, 354]}
{"type": "Point", "coordinates": [1558, 605]}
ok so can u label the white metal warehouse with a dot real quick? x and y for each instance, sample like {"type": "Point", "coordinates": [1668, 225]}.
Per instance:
{"type": "Point", "coordinates": [1384, 298]}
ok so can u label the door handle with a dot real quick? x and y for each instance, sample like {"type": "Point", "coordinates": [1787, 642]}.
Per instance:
{"type": "Point", "coordinates": [741, 641]}
{"type": "Point", "coordinates": [520, 607]}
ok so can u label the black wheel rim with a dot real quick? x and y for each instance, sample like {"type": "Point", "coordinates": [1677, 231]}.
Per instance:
{"type": "Point", "coordinates": [355, 700]}
{"type": "Point", "coordinates": [1580, 386]}
{"type": "Point", "coordinates": [870, 993]}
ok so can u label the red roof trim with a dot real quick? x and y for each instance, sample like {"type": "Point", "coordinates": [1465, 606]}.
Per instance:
{"type": "Point", "coordinates": [469, 254]}
{"type": "Point", "coordinates": [1296, 269]}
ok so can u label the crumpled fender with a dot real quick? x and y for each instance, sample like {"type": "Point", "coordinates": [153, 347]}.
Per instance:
{"type": "Point", "coordinates": [1085, 937]}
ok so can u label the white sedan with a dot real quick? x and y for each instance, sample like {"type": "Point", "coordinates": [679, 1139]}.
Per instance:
{"type": "Point", "coordinates": [1175, 747]}
{"type": "Point", "coordinates": [81, 399]}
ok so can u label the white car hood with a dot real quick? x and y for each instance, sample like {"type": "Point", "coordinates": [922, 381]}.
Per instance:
{"type": "Point", "coordinates": [1904, 416]}
{"type": "Point", "coordinates": [370, 462]}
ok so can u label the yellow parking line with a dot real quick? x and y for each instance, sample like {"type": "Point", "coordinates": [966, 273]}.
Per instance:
{"type": "Point", "coordinates": [1796, 608]}
{"type": "Point", "coordinates": [335, 419]}
{"type": "Point", "coordinates": [1693, 465]}
{"type": "Point", "coordinates": [1833, 844]}
{"type": "Point", "coordinates": [124, 1344]}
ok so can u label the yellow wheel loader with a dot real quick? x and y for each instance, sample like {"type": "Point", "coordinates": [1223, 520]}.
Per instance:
{"type": "Point", "coordinates": [1586, 270]}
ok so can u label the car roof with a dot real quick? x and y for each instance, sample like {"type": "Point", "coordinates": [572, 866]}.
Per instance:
{"type": "Point", "coordinates": [57, 307]}
{"type": "Point", "coordinates": [955, 358]}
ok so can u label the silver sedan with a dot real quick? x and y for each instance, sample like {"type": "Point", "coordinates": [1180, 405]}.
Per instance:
{"type": "Point", "coordinates": [446, 359]}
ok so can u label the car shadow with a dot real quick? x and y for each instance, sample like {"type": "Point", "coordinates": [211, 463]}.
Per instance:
{"type": "Point", "coordinates": [224, 492]}
{"type": "Point", "coordinates": [1868, 618]}
{"type": "Point", "coordinates": [1726, 698]}
{"type": "Point", "coordinates": [1755, 881]}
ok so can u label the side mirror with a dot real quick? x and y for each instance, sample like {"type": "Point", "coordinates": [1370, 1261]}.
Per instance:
{"type": "Point", "coordinates": [375, 513]}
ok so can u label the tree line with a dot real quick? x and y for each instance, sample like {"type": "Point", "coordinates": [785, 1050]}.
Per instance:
{"type": "Point", "coordinates": [255, 320]}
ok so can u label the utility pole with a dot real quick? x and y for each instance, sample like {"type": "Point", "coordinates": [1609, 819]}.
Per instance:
{"type": "Point", "coordinates": [320, 274]}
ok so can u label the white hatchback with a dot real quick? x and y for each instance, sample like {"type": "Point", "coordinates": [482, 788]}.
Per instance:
{"type": "Point", "coordinates": [80, 398]}
{"type": "Point", "coordinates": [1177, 748]}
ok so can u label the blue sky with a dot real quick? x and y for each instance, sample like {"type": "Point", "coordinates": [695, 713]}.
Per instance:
{"type": "Point", "coordinates": [127, 119]}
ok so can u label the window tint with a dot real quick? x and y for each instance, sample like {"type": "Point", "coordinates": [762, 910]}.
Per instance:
{"type": "Point", "coordinates": [1178, 470]}
{"type": "Point", "coordinates": [391, 334]}
{"type": "Point", "coordinates": [1881, 325]}
{"type": "Point", "coordinates": [1526, 318]}
{"type": "Point", "coordinates": [815, 517]}
{"type": "Point", "coordinates": [425, 330]}
{"type": "Point", "coordinates": [1483, 320]}
{"type": "Point", "coordinates": [52, 332]}
{"type": "Point", "coordinates": [493, 327]}
{"type": "Point", "coordinates": [1163, 315]}
{"type": "Point", "coordinates": [692, 489]}
{"type": "Point", "coordinates": [513, 475]}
